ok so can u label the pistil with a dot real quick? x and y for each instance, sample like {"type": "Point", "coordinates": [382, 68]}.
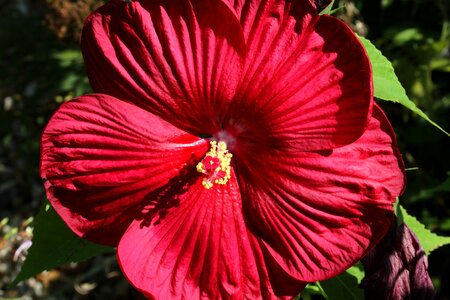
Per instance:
{"type": "Point", "coordinates": [215, 165]}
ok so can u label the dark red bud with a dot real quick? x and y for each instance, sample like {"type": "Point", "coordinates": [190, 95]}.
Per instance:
{"type": "Point", "coordinates": [396, 269]}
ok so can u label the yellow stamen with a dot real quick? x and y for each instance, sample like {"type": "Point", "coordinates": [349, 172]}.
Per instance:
{"type": "Point", "coordinates": [215, 165]}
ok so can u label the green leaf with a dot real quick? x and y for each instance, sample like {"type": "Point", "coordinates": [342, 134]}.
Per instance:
{"type": "Point", "coordinates": [406, 36]}
{"type": "Point", "coordinates": [440, 64]}
{"type": "Point", "coordinates": [310, 290]}
{"type": "Point", "coordinates": [386, 84]}
{"type": "Point", "coordinates": [344, 286]}
{"type": "Point", "coordinates": [327, 10]}
{"type": "Point", "coordinates": [54, 244]}
{"type": "Point", "coordinates": [357, 271]}
{"type": "Point", "coordinates": [429, 240]}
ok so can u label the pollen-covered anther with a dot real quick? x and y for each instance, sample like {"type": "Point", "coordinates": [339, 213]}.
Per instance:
{"type": "Point", "coordinates": [215, 165]}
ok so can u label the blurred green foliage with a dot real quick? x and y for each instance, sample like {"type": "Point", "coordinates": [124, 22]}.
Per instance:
{"type": "Point", "coordinates": [38, 71]}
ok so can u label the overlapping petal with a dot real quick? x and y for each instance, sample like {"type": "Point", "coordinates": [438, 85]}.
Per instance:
{"type": "Point", "coordinates": [101, 159]}
{"type": "Point", "coordinates": [180, 60]}
{"type": "Point", "coordinates": [308, 76]}
{"type": "Point", "coordinates": [317, 213]}
{"type": "Point", "coordinates": [252, 14]}
{"type": "Point", "coordinates": [200, 249]}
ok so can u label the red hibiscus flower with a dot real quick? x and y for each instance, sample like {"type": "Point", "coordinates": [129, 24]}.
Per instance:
{"type": "Point", "coordinates": [232, 149]}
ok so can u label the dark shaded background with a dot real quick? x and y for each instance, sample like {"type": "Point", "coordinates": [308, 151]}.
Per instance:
{"type": "Point", "coordinates": [41, 66]}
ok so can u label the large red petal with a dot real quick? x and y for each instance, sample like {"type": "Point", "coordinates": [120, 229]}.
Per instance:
{"type": "Point", "coordinates": [200, 249]}
{"type": "Point", "coordinates": [318, 213]}
{"type": "Point", "coordinates": [180, 60]}
{"type": "Point", "coordinates": [307, 77]}
{"type": "Point", "coordinates": [102, 157]}
{"type": "Point", "coordinates": [253, 13]}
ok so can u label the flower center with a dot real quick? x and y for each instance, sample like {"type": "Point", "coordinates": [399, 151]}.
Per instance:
{"type": "Point", "coordinates": [215, 165]}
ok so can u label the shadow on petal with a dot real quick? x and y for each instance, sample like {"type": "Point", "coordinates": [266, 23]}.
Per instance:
{"type": "Point", "coordinates": [168, 196]}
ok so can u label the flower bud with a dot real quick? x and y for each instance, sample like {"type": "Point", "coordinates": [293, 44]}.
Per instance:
{"type": "Point", "coordinates": [396, 268]}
